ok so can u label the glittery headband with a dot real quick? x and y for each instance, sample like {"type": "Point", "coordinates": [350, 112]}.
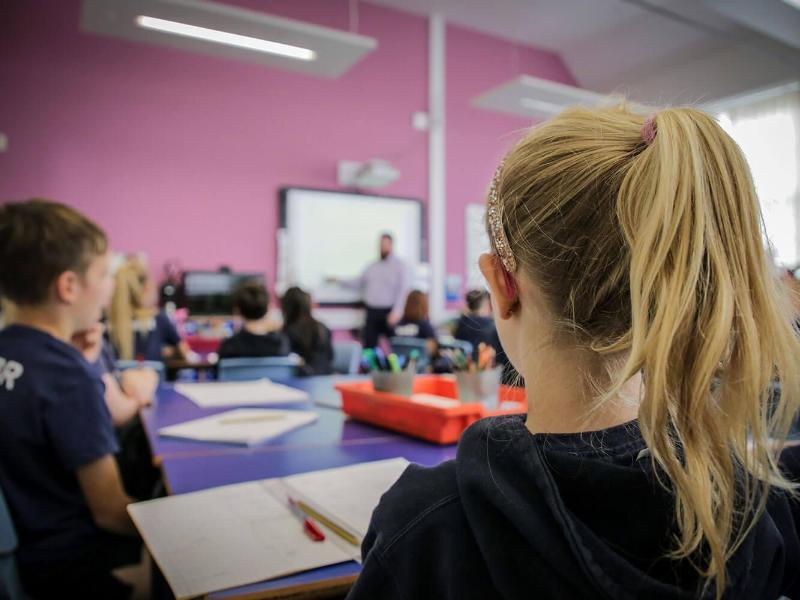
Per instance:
{"type": "Point", "coordinates": [496, 226]}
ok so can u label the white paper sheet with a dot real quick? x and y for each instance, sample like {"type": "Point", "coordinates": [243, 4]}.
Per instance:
{"type": "Point", "coordinates": [239, 534]}
{"type": "Point", "coordinates": [241, 426]}
{"type": "Point", "coordinates": [227, 536]}
{"type": "Point", "coordinates": [347, 495]}
{"type": "Point", "coordinates": [240, 393]}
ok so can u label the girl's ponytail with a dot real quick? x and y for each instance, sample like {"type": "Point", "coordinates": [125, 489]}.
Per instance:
{"type": "Point", "coordinates": [645, 238]}
{"type": "Point", "coordinates": [708, 331]}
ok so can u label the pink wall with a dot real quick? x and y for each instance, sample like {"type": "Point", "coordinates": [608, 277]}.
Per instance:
{"type": "Point", "coordinates": [477, 139]}
{"type": "Point", "coordinates": [181, 155]}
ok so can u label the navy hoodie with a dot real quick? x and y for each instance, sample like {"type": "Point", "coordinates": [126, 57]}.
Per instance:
{"type": "Point", "coordinates": [562, 516]}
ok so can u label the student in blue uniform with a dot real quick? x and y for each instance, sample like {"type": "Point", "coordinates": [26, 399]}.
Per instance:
{"type": "Point", "coordinates": [308, 337]}
{"type": "Point", "coordinates": [138, 330]}
{"type": "Point", "coordinates": [57, 468]}
{"type": "Point", "coordinates": [476, 325]}
{"type": "Point", "coordinates": [259, 336]}
{"type": "Point", "coordinates": [632, 291]}
{"type": "Point", "coordinates": [127, 391]}
{"type": "Point", "coordinates": [415, 322]}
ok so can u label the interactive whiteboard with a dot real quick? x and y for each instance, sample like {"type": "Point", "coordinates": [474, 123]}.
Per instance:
{"type": "Point", "coordinates": [336, 234]}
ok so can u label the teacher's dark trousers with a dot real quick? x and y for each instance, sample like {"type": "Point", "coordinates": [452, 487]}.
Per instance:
{"type": "Point", "coordinates": [376, 326]}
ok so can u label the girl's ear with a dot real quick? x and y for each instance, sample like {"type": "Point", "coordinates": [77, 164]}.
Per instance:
{"type": "Point", "coordinates": [511, 284]}
{"type": "Point", "coordinates": [502, 285]}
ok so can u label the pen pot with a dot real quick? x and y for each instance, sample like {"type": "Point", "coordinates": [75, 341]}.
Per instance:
{"type": "Point", "coordinates": [479, 386]}
{"type": "Point", "coordinates": [396, 383]}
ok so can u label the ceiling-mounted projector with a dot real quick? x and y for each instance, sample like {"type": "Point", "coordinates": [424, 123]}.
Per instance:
{"type": "Point", "coordinates": [373, 173]}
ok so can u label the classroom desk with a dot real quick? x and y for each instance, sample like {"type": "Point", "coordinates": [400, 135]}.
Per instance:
{"type": "Point", "coordinates": [189, 474]}
{"type": "Point", "coordinates": [192, 473]}
{"type": "Point", "coordinates": [332, 426]}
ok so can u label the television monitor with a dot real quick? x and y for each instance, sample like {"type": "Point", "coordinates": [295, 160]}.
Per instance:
{"type": "Point", "coordinates": [211, 292]}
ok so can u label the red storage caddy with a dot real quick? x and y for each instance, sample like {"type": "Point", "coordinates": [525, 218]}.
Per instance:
{"type": "Point", "coordinates": [437, 424]}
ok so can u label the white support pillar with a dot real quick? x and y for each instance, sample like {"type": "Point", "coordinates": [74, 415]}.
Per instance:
{"type": "Point", "coordinates": [436, 164]}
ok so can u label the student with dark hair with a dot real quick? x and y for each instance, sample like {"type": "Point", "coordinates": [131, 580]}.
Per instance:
{"type": "Point", "coordinates": [57, 442]}
{"type": "Point", "coordinates": [259, 336]}
{"type": "Point", "coordinates": [307, 337]}
{"type": "Point", "coordinates": [476, 325]}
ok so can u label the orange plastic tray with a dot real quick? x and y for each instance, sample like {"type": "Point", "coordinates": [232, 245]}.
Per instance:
{"type": "Point", "coordinates": [435, 424]}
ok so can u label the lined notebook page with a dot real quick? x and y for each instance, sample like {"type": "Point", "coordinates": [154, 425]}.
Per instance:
{"type": "Point", "coordinates": [227, 536]}
{"type": "Point", "coordinates": [348, 495]}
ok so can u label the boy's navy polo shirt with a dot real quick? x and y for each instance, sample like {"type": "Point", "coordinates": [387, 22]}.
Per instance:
{"type": "Point", "coordinates": [153, 335]}
{"type": "Point", "coordinates": [53, 420]}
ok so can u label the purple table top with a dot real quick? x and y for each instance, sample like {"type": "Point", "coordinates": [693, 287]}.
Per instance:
{"type": "Point", "coordinates": [187, 474]}
{"type": "Point", "coordinates": [333, 427]}
{"type": "Point", "coordinates": [192, 473]}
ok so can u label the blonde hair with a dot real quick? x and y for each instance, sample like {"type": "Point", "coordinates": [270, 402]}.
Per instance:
{"type": "Point", "coordinates": [127, 305]}
{"type": "Point", "coordinates": [8, 311]}
{"type": "Point", "coordinates": [654, 253]}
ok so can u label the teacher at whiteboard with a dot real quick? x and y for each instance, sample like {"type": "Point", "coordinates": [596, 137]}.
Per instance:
{"type": "Point", "coordinates": [384, 286]}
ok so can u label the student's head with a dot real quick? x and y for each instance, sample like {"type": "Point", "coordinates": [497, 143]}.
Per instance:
{"type": "Point", "coordinates": [132, 285]}
{"type": "Point", "coordinates": [416, 306]}
{"type": "Point", "coordinates": [386, 245]}
{"type": "Point", "coordinates": [133, 296]}
{"type": "Point", "coordinates": [55, 259]}
{"type": "Point", "coordinates": [251, 300]}
{"type": "Point", "coordinates": [295, 305]}
{"type": "Point", "coordinates": [638, 244]}
{"type": "Point", "coordinates": [478, 303]}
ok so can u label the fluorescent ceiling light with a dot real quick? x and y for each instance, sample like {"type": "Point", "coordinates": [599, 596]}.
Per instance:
{"type": "Point", "coordinates": [541, 105]}
{"type": "Point", "coordinates": [223, 37]}
{"type": "Point", "coordinates": [795, 3]}
{"type": "Point", "coordinates": [537, 98]}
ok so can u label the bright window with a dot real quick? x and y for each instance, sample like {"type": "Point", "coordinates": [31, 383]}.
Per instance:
{"type": "Point", "coordinates": [768, 133]}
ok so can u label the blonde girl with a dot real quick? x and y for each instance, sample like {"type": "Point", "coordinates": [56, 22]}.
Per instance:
{"type": "Point", "coordinates": [632, 291]}
{"type": "Point", "coordinates": [138, 330]}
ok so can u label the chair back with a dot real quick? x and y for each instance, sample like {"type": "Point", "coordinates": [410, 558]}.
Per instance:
{"type": "Point", "coordinates": [463, 345]}
{"type": "Point", "coordinates": [10, 586]}
{"type": "Point", "coordinates": [346, 357]}
{"type": "Point", "coordinates": [248, 369]}
{"type": "Point", "coordinates": [402, 346]}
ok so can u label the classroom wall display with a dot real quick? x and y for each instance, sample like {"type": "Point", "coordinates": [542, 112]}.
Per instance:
{"type": "Point", "coordinates": [327, 234]}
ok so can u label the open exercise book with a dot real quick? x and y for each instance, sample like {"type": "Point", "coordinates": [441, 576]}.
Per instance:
{"type": "Point", "coordinates": [245, 426]}
{"type": "Point", "coordinates": [239, 393]}
{"type": "Point", "coordinates": [239, 534]}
